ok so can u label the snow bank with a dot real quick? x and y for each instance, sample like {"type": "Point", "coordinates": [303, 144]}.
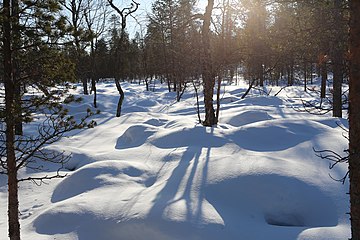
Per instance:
{"type": "Point", "coordinates": [154, 173]}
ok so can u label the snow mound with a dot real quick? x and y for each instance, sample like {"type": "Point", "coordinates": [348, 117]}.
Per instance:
{"type": "Point", "coordinates": [90, 226]}
{"type": "Point", "coordinates": [156, 122]}
{"type": "Point", "coordinates": [78, 160]}
{"type": "Point", "coordinates": [263, 101]}
{"type": "Point", "coordinates": [246, 117]}
{"type": "Point", "coordinates": [146, 103]}
{"type": "Point", "coordinates": [276, 135]}
{"type": "Point", "coordinates": [134, 136]}
{"type": "Point", "coordinates": [230, 99]}
{"type": "Point", "coordinates": [133, 109]}
{"type": "Point", "coordinates": [277, 200]}
{"type": "Point", "coordinates": [97, 175]}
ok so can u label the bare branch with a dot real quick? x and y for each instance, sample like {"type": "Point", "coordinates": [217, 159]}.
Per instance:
{"type": "Point", "coordinates": [335, 159]}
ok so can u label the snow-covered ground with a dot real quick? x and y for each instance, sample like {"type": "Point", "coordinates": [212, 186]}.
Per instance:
{"type": "Point", "coordinates": [155, 173]}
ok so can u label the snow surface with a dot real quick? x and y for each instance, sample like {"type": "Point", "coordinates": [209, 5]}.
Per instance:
{"type": "Point", "coordinates": [155, 173]}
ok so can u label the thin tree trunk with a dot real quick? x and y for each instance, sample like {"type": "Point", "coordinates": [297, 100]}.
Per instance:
{"type": "Point", "coordinates": [18, 119]}
{"type": "Point", "coordinates": [15, 66]}
{"type": "Point", "coordinates": [181, 91]}
{"type": "Point", "coordinates": [197, 101]}
{"type": "Point", "coordinates": [93, 88]}
{"type": "Point", "coordinates": [168, 82]}
{"type": "Point", "coordinates": [288, 76]}
{"type": "Point", "coordinates": [261, 75]}
{"type": "Point", "coordinates": [121, 99]}
{"type": "Point", "coordinates": [354, 119]}
{"type": "Point", "coordinates": [85, 86]}
{"type": "Point", "coordinates": [218, 96]}
{"type": "Point", "coordinates": [323, 79]}
{"type": "Point", "coordinates": [292, 73]}
{"type": "Point", "coordinates": [147, 83]}
{"type": "Point", "coordinates": [208, 76]}
{"type": "Point", "coordinates": [93, 69]}
{"type": "Point", "coordinates": [251, 84]}
{"type": "Point", "coordinates": [311, 73]}
{"type": "Point", "coordinates": [318, 70]}
{"type": "Point", "coordinates": [13, 201]}
{"type": "Point", "coordinates": [337, 82]}
{"type": "Point", "coordinates": [305, 76]}
{"type": "Point", "coordinates": [337, 62]}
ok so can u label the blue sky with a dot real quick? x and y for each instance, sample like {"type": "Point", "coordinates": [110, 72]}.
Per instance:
{"type": "Point", "coordinates": [138, 25]}
{"type": "Point", "coordinates": [145, 7]}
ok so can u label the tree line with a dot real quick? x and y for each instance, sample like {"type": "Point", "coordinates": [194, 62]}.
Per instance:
{"type": "Point", "coordinates": [272, 42]}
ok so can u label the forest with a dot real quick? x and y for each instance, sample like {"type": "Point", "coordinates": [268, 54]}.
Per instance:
{"type": "Point", "coordinates": [214, 120]}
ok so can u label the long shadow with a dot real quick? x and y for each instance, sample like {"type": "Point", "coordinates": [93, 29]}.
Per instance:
{"type": "Point", "coordinates": [204, 178]}
{"type": "Point", "coordinates": [191, 157]}
{"type": "Point", "coordinates": [190, 181]}
{"type": "Point", "coordinates": [167, 195]}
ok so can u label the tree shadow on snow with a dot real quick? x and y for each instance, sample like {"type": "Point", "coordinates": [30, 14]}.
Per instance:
{"type": "Point", "coordinates": [183, 190]}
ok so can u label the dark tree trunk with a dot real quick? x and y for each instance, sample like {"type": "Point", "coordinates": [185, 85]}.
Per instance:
{"type": "Point", "coordinates": [323, 79]}
{"type": "Point", "coordinates": [261, 75]}
{"type": "Point", "coordinates": [168, 83]}
{"type": "Point", "coordinates": [305, 75]}
{"type": "Point", "coordinates": [251, 84]}
{"type": "Point", "coordinates": [13, 201]}
{"type": "Point", "coordinates": [147, 84]}
{"type": "Point", "coordinates": [337, 61]}
{"type": "Point", "coordinates": [354, 119]}
{"type": "Point", "coordinates": [178, 89]}
{"type": "Point", "coordinates": [18, 119]}
{"type": "Point", "coordinates": [93, 88]}
{"type": "Point", "coordinates": [85, 86]}
{"type": "Point", "coordinates": [218, 96]}
{"type": "Point", "coordinates": [121, 99]}
{"type": "Point", "coordinates": [16, 42]}
{"type": "Point", "coordinates": [337, 82]}
{"type": "Point", "coordinates": [197, 102]}
{"type": "Point", "coordinates": [311, 73]}
{"type": "Point", "coordinates": [93, 74]}
{"type": "Point", "coordinates": [292, 73]}
{"type": "Point", "coordinates": [208, 76]}
{"type": "Point", "coordinates": [318, 70]}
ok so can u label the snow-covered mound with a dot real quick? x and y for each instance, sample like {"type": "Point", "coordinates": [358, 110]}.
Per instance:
{"type": "Point", "coordinates": [156, 174]}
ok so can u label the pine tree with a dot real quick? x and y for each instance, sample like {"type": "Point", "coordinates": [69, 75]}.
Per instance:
{"type": "Point", "coordinates": [32, 58]}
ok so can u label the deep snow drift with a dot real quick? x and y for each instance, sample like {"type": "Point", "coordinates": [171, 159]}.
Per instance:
{"type": "Point", "coordinates": [155, 173]}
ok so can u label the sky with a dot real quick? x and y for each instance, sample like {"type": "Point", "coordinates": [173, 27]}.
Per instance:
{"type": "Point", "coordinates": [139, 25]}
